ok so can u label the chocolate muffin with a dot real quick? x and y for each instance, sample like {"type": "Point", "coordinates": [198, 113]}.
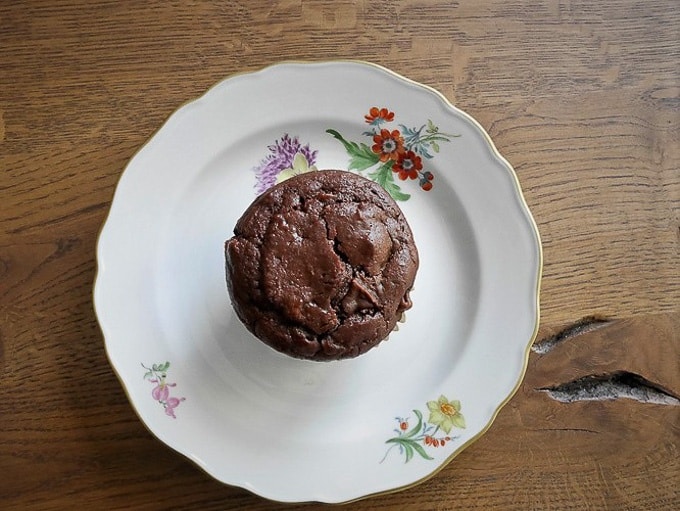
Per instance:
{"type": "Point", "coordinates": [321, 265]}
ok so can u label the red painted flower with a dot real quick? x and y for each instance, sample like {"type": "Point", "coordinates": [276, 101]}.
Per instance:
{"type": "Point", "coordinates": [376, 116]}
{"type": "Point", "coordinates": [407, 166]}
{"type": "Point", "coordinates": [426, 181]}
{"type": "Point", "coordinates": [388, 144]}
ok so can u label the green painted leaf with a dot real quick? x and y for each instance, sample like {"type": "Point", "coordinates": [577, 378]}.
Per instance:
{"type": "Point", "coordinates": [384, 176]}
{"type": "Point", "coordinates": [409, 451]}
{"type": "Point", "coordinates": [415, 429]}
{"type": "Point", "coordinates": [410, 447]}
{"type": "Point", "coordinates": [435, 146]}
{"type": "Point", "coordinates": [419, 449]}
{"type": "Point", "coordinates": [339, 137]}
{"type": "Point", "coordinates": [397, 194]}
{"type": "Point", "coordinates": [442, 138]}
{"type": "Point", "coordinates": [361, 156]}
{"type": "Point", "coordinates": [148, 375]}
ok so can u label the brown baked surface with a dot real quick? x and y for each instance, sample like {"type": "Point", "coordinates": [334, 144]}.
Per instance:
{"type": "Point", "coordinates": [321, 265]}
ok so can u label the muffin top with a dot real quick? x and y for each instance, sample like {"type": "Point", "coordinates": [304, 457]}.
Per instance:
{"type": "Point", "coordinates": [321, 265]}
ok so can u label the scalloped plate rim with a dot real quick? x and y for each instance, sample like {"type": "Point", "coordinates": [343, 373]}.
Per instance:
{"type": "Point", "coordinates": [101, 270]}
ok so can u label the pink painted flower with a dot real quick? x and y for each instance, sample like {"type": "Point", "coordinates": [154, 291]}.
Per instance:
{"type": "Point", "coordinates": [171, 404]}
{"type": "Point", "coordinates": [161, 392]}
{"type": "Point", "coordinates": [157, 374]}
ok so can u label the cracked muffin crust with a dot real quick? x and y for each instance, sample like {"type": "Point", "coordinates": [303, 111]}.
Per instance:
{"type": "Point", "coordinates": [321, 265]}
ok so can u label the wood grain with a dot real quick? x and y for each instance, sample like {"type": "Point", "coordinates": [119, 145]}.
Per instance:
{"type": "Point", "coordinates": [583, 98]}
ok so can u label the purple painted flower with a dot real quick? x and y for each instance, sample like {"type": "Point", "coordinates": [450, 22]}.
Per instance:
{"type": "Point", "coordinates": [280, 157]}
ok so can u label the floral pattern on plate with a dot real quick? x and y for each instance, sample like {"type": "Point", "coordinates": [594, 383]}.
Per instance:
{"type": "Point", "coordinates": [204, 168]}
{"type": "Point", "coordinates": [158, 374]}
{"type": "Point", "coordinates": [391, 152]}
{"type": "Point", "coordinates": [284, 154]}
{"type": "Point", "coordinates": [444, 416]}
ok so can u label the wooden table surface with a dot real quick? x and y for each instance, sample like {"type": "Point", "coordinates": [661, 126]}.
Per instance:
{"type": "Point", "coordinates": [582, 97]}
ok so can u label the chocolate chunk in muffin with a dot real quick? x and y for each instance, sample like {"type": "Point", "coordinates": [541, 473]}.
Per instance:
{"type": "Point", "coordinates": [321, 265]}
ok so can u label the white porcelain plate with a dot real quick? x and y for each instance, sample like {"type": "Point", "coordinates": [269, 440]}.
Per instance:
{"type": "Point", "coordinates": [293, 430]}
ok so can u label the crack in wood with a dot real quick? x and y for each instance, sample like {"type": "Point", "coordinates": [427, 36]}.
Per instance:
{"type": "Point", "coordinates": [606, 387]}
{"type": "Point", "coordinates": [582, 326]}
{"type": "Point", "coordinates": [577, 430]}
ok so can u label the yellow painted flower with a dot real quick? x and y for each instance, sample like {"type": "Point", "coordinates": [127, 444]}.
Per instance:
{"type": "Point", "coordinates": [300, 166]}
{"type": "Point", "coordinates": [445, 414]}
